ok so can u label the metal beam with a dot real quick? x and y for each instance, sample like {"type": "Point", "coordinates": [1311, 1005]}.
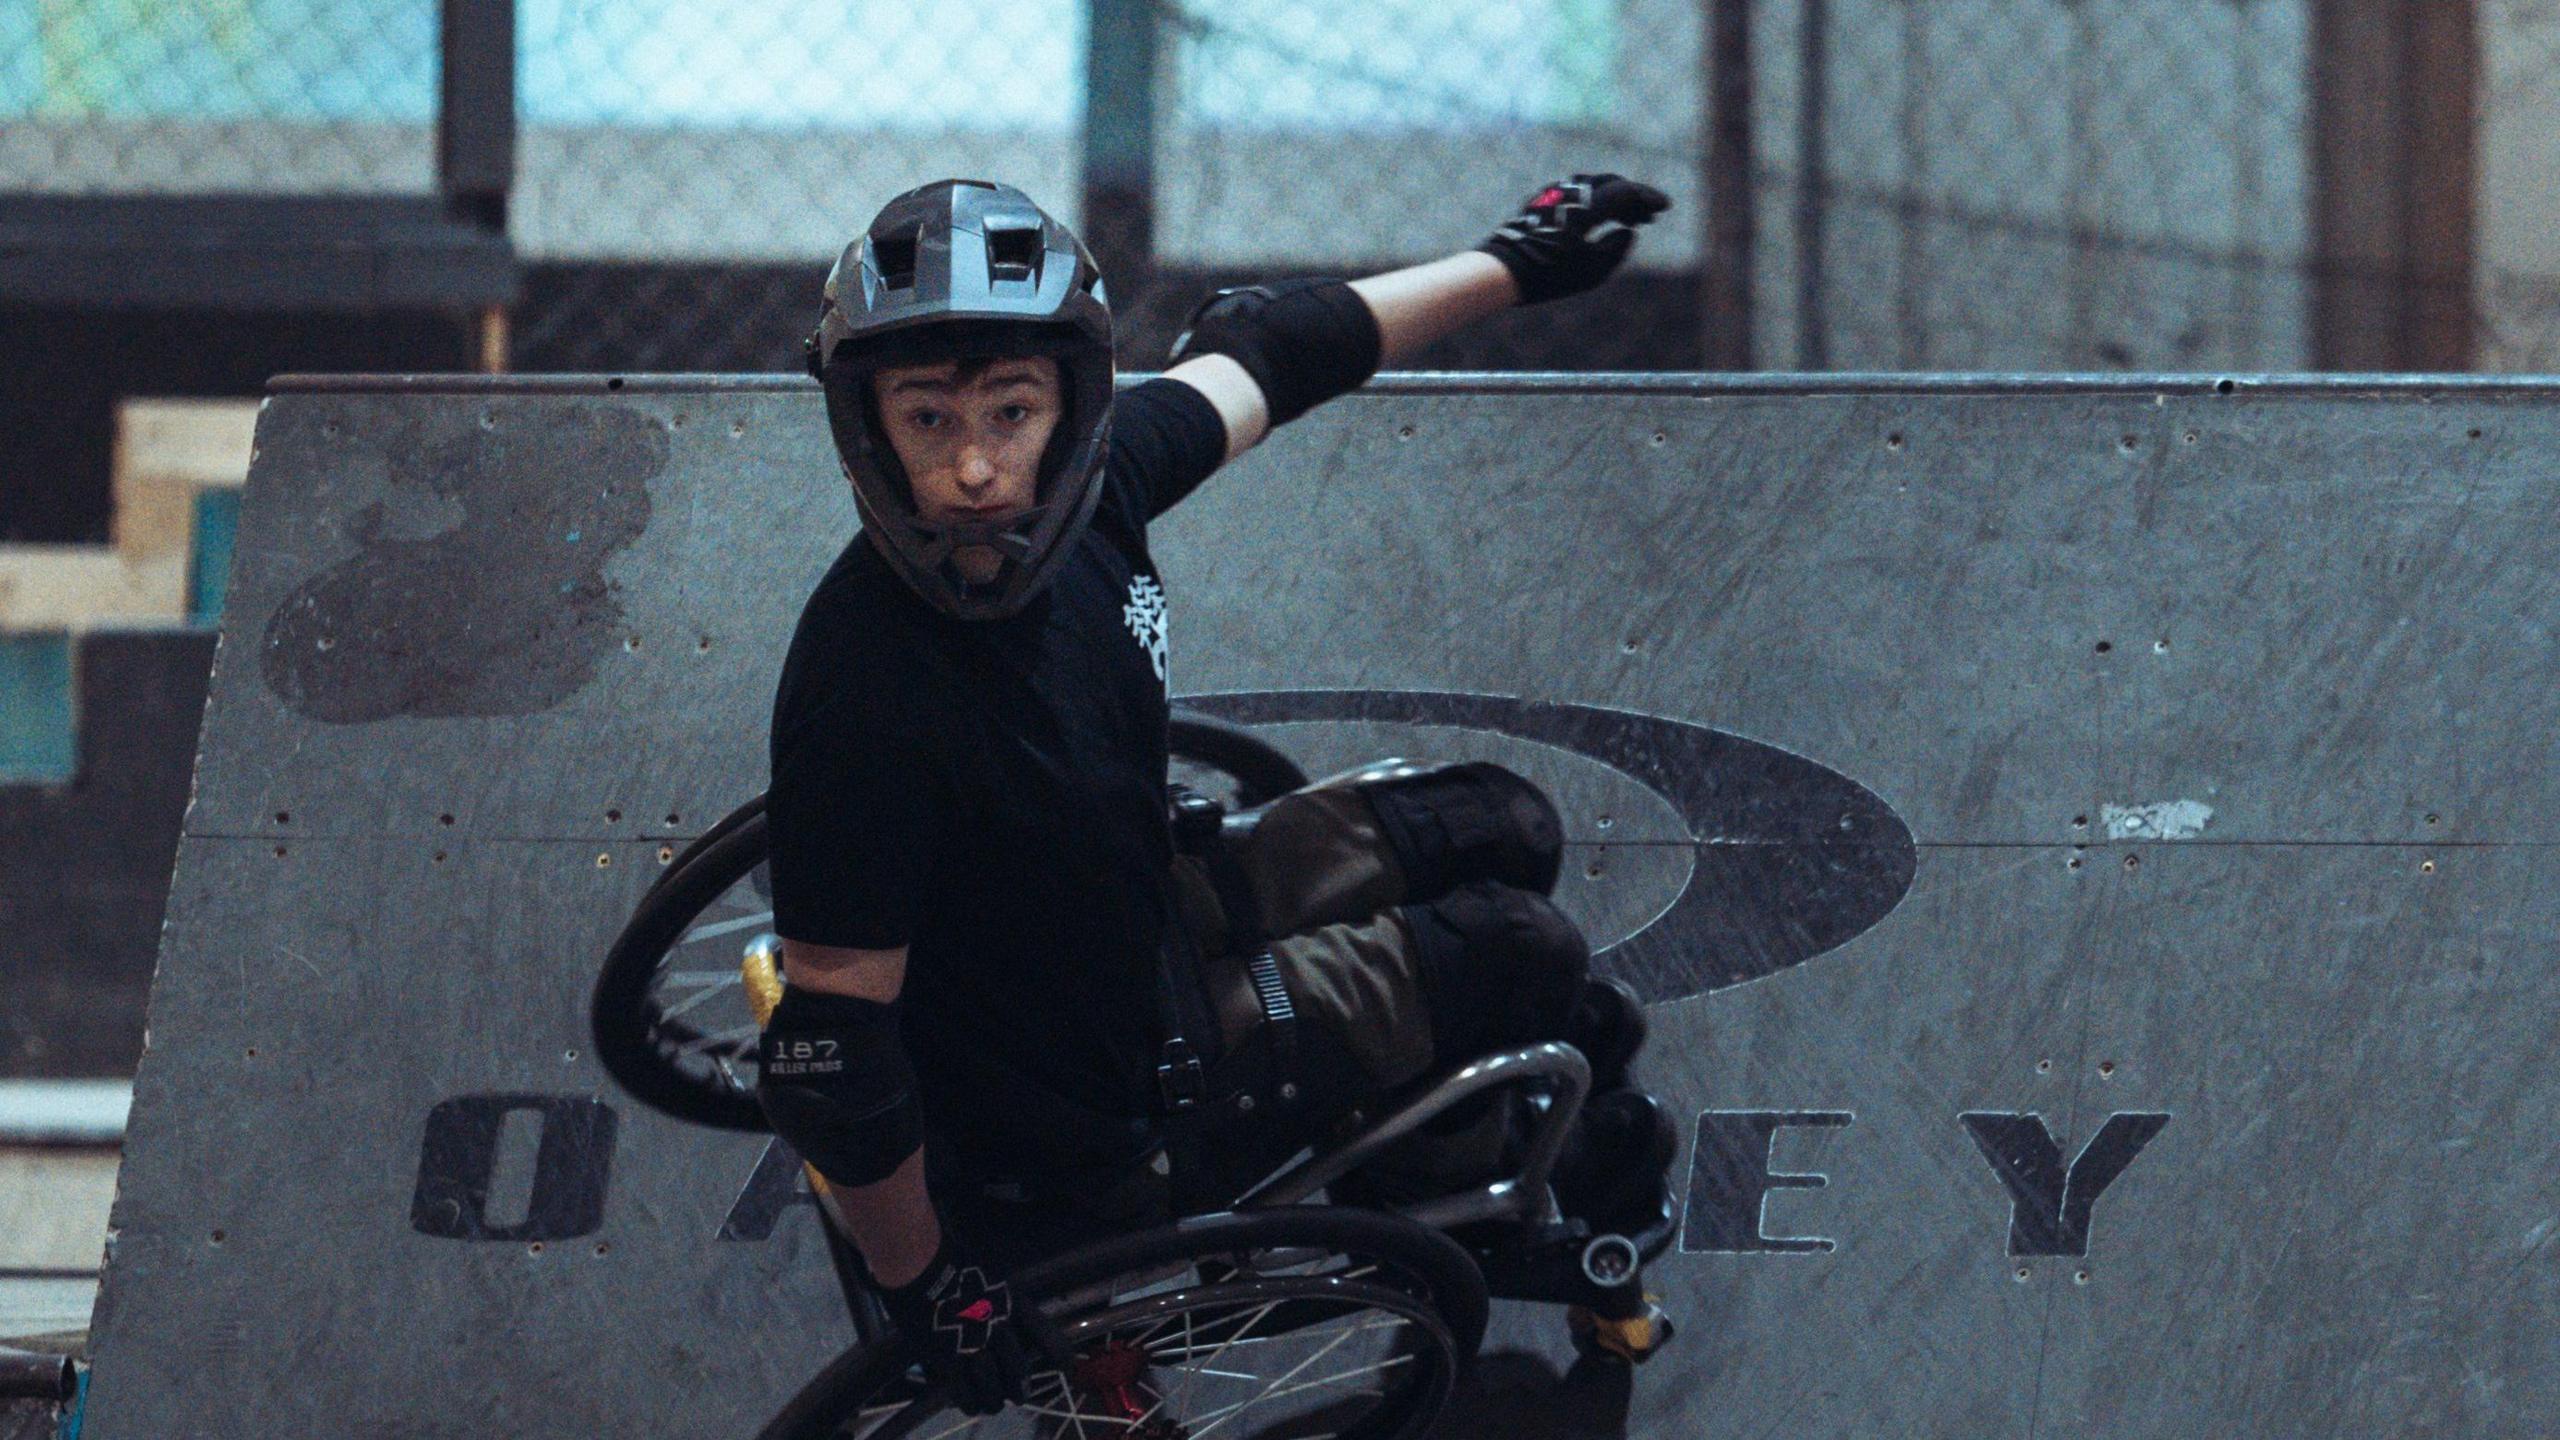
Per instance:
{"type": "Point", "coordinates": [2394, 135]}
{"type": "Point", "coordinates": [244, 252]}
{"type": "Point", "coordinates": [1732, 204]}
{"type": "Point", "coordinates": [476, 110]}
{"type": "Point", "coordinates": [1119, 212]}
{"type": "Point", "coordinates": [1813, 184]}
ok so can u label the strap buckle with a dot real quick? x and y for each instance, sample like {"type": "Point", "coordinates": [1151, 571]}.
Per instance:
{"type": "Point", "coordinates": [1180, 1081]}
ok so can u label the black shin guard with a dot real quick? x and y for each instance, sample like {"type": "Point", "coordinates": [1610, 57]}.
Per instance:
{"type": "Point", "coordinates": [1608, 1026]}
{"type": "Point", "coordinates": [1615, 1162]}
{"type": "Point", "coordinates": [1497, 967]}
{"type": "Point", "coordinates": [1450, 824]}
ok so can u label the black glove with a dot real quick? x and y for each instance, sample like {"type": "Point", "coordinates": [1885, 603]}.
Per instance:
{"type": "Point", "coordinates": [1570, 236]}
{"type": "Point", "coordinates": [961, 1321]}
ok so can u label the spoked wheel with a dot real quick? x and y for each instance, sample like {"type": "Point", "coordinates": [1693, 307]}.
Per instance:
{"type": "Point", "coordinates": [669, 1020]}
{"type": "Point", "coordinates": [1301, 1322]}
{"type": "Point", "coordinates": [669, 1016]}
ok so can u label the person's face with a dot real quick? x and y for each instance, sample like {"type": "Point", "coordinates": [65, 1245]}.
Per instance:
{"type": "Point", "coordinates": [971, 448]}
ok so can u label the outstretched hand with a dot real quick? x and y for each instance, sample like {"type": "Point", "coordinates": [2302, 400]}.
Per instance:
{"type": "Point", "coordinates": [1572, 235]}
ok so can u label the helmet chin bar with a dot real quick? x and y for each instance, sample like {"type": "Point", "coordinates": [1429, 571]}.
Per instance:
{"type": "Point", "coordinates": [937, 545]}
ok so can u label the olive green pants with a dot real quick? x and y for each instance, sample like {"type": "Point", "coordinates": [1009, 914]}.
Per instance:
{"type": "Point", "coordinates": [1327, 888]}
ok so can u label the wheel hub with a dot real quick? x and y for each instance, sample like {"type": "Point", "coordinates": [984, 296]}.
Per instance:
{"type": "Point", "coordinates": [1113, 1379]}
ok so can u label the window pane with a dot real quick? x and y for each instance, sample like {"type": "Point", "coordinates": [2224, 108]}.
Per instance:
{"type": "Point", "coordinates": [219, 60]}
{"type": "Point", "coordinates": [755, 64]}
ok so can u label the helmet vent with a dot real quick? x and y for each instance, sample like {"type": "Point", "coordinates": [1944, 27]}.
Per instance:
{"type": "Point", "coordinates": [1013, 254]}
{"type": "Point", "coordinates": [897, 262]}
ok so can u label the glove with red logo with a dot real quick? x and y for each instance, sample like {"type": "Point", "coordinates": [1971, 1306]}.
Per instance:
{"type": "Point", "coordinates": [960, 1318]}
{"type": "Point", "coordinates": [1571, 235]}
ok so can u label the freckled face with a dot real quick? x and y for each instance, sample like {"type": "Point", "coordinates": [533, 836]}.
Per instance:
{"type": "Point", "coordinates": [971, 449]}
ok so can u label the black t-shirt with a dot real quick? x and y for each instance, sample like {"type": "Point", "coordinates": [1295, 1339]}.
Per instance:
{"type": "Point", "coordinates": [991, 795]}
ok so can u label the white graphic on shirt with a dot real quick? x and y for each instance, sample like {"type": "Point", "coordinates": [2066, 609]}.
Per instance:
{"type": "Point", "coordinates": [1145, 616]}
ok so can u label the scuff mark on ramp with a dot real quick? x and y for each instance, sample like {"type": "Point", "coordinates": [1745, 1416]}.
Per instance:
{"type": "Point", "coordinates": [505, 610]}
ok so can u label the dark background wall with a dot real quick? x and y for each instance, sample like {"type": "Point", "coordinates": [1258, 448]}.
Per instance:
{"type": "Point", "coordinates": [84, 867]}
{"type": "Point", "coordinates": [68, 367]}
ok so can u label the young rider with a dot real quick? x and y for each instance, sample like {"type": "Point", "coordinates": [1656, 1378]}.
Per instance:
{"type": "Point", "coordinates": [973, 870]}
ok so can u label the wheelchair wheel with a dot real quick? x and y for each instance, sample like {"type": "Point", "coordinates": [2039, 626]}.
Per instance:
{"type": "Point", "coordinates": [1259, 770]}
{"type": "Point", "coordinates": [708, 838]}
{"type": "Point", "coordinates": [1300, 1321]}
{"type": "Point", "coordinates": [668, 1020]}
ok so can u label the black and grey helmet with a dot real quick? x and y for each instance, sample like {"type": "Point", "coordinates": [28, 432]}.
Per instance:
{"type": "Point", "coordinates": [955, 270]}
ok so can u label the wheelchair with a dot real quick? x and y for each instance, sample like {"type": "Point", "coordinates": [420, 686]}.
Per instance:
{"type": "Point", "coordinates": [1281, 1314]}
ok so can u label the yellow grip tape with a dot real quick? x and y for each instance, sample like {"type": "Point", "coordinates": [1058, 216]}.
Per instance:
{"type": "Point", "coordinates": [762, 980]}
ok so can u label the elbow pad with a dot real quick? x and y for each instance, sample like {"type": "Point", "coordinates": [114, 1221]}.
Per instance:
{"type": "Point", "coordinates": [1302, 341]}
{"type": "Point", "coordinates": [836, 1084]}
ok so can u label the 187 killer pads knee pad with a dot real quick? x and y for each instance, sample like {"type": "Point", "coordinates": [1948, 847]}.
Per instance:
{"type": "Point", "coordinates": [1497, 965]}
{"type": "Point", "coordinates": [1449, 824]}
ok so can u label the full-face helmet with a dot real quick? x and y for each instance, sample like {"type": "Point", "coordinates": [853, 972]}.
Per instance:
{"type": "Point", "coordinates": [967, 270]}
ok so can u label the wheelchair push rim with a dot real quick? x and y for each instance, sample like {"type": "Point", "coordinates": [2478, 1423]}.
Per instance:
{"type": "Point", "coordinates": [1305, 1322]}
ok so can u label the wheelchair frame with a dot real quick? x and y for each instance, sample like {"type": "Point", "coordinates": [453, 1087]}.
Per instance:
{"type": "Point", "coordinates": [1604, 1273]}
{"type": "Point", "coordinates": [1522, 1247]}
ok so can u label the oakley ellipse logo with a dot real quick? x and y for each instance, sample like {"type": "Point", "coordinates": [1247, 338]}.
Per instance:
{"type": "Point", "coordinates": [1788, 858]}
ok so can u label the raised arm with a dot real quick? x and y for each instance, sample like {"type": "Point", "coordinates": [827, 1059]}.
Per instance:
{"type": "Point", "coordinates": [1263, 355]}
{"type": "Point", "coordinates": [1420, 304]}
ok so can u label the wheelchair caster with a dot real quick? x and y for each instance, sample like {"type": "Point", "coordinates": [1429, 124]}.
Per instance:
{"type": "Point", "coordinates": [1636, 1339]}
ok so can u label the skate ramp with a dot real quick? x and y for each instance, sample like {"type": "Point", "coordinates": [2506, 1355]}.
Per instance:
{"type": "Point", "coordinates": [2088, 846]}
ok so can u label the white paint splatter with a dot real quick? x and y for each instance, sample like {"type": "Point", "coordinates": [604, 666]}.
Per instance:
{"type": "Point", "coordinates": [2161, 820]}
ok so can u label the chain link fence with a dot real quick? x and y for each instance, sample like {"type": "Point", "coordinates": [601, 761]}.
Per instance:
{"type": "Point", "coordinates": [2034, 185]}
{"type": "Point", "coordinates": [303, 97]}
{"type": "Point", "coordinates": [1939, 184]}
{"type": "Point", "coordinates": [767, 135]}
{"type": "Point", "coordinates": [1322, 137]}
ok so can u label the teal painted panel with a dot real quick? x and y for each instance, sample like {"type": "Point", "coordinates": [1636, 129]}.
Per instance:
{"type": "Point", "coordinates": [209, 569]}
{"type": "Point", "coordinates": [36, 712]}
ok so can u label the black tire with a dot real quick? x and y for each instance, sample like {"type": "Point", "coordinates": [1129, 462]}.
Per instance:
{"type": "Point", "coordinates": [663, 1059]}
{"type": "Point", "coordinates": [1261, 772]}
{"type": "Point", "coordinates": [694, 1059]}
{"type": "Point", "coordinates": [1260, 769]}
{"type": "Point", "coordinates": [708, 838]}
{"type": "Point", "coordinates": [1414, 1282]}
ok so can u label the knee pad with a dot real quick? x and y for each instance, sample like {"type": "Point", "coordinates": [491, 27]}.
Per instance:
{"type": "Point", "coordinates": [1450, 824]}
{"type": "Point", "coordinates": [835, 1083]}
{"type": "Point", "coordinates": [1497, 965]}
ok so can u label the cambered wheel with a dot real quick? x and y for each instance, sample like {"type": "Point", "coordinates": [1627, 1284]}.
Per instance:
{"type": "Point", "coordinates": [669, 1021]}
{"type": "Point", "coordinates": [1298, 1322]}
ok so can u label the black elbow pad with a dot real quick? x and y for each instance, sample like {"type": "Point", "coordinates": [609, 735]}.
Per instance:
{"type": "Point", "coordinates": [836, 1084]}
{"type": "Point", "coordinates": [1302, 341]}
